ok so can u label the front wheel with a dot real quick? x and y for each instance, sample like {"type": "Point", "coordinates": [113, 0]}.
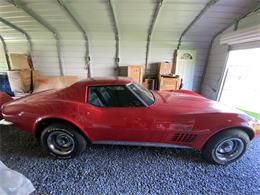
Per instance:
{"type": "Point", "coordinates": [63, 140]}
{"type": "Point", "coordinates": [226, 147]}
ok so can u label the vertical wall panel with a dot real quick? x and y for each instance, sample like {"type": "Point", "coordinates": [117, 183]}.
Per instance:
{"type": "Point", "coordinates": [44, 56]}
{"type": "Point", "coordinates": [217, 61]}
{"type": "Point", "coordinates": [133, 23]}
{"type": "Point", "coordinates": [95, 17]}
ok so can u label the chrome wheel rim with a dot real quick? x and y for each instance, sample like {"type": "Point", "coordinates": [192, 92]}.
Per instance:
{"type": "Point", "coordinates": [61, 143]}
{"type": "Point", "coordinates": [229, 149]}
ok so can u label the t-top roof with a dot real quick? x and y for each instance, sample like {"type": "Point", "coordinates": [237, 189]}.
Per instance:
{"type": "Point", "coordinates": [106, 81]}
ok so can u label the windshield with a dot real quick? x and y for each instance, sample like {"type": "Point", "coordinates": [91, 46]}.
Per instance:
{"type": "Point", "coordinates": [143, 93]}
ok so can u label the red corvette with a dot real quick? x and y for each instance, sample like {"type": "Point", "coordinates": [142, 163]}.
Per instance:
{"type": "Point", "coordinates": [118, 111]}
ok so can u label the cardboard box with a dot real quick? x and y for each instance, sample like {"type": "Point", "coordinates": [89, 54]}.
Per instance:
{"type": "Point", "coordinates": [165, 68]}
{"type": "Point", "coordinates": [42, 82]}
{"type": "Point", "coordinates": [150, 83]}
{"type": "Point", "coordinates": [134, 72]}
{"type": "Point", "coordinates": [19, 61]}
{"type": "Point", "coordinates": [20, 80]}
{"type": "Point", "coordinates": [146, 83]}
{"type": "Point", "coordinates": [169, 82]}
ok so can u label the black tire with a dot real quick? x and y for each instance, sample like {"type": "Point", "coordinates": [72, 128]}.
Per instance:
{"type": "Point", "coordinates": [63, 140]}
{"type": "Point", "coordinates": [216, 150]}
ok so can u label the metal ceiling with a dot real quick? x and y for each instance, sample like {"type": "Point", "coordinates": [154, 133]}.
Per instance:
{"type": "Point", "coordinates": [137, 29]}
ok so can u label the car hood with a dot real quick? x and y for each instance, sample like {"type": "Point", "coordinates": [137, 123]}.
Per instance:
{"type": "Point", "coordinates": [188, 102]}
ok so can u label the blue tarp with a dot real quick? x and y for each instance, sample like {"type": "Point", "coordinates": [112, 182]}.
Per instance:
{"type": "Point", "coordinates": [5, 85]}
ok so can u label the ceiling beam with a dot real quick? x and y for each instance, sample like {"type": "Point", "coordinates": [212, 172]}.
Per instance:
{"type": "Point", "coordinates": [150, 31]}
{"type": "Point", "coordinates": [115, 27]}
{"type": "Point", "coordinates": [82, 30]}
{"type": "Point", "coordinates": [235, 22]}
{"type": "Point", "coordinates": [27, 36]}
{"type": "Point", "coordinates": [40, 20]}
{"type": "Point", "coordinates": [6, 52]}
{"type": "Point", "coordinates": [204, 9]}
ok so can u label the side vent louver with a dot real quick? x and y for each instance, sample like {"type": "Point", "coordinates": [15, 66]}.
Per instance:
{"type": "Point", "coordinates": [184, 137]}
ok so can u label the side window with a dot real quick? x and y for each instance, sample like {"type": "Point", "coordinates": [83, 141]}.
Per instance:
{"type": "Point", "coordinates": [93, 98]}
{"type": "Point", "coordinates": [112, 96]}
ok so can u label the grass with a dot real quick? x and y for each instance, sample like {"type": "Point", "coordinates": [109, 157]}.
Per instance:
{"type": "Point", "coordinates": [253, 114]}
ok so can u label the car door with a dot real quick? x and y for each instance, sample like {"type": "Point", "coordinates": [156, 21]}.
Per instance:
{"type": "Point", "coordinates": [116, 114]}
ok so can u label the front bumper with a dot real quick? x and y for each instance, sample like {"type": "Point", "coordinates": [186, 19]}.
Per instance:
{"type": "Point", "coordinates": [5, 122]}
{"type": "Point", "coordinates": [257, 130]}
{"type": "Point", "coordinates": [255, 124]}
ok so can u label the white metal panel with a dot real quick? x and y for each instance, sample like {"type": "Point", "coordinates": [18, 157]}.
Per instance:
{"type": "Point", "coordinates": [45, 57]}
{"type": "Point", "coordinates": [95, 18]}
{"type": "Point", "coordinates": [133, 21]}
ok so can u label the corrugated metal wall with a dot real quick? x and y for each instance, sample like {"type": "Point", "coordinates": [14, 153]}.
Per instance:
{"type": "Point", "coordinates": [133, 19]}
{"type": "Point", "coordinates": [218, 58]}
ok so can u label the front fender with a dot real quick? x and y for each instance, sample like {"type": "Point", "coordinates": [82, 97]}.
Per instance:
{"type": "Point", "coordinates": [223, 123]}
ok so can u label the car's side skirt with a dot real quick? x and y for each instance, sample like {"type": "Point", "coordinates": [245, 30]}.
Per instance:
{"type": "Point", "coordinates": [146, 144]}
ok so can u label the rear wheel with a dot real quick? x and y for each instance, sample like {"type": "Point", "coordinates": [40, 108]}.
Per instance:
{"type": "Point", "coordinates": [63, 140]}
{"type": "Point", "coordinates": [226, 147]}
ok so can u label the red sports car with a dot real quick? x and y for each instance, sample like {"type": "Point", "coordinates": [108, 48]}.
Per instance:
{"type": "Point", "coordinates": [119, 111]}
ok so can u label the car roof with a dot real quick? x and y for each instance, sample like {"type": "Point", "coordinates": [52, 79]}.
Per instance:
{"type": "Point", "coordinates": [106, 81]}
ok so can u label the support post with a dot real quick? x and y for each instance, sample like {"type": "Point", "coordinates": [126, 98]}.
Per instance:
{"type": "Point", "coordinates": [6, 53]}
{"type": "Point", "coordinates": [115, 27]}
{"type": "Point", "coordinates": [150, 31]}
{"type": "Point", "coordinates": [82, 30]}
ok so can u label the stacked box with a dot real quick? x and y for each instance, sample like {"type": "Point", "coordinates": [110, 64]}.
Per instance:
{"type": "Point", "coordinates": [134, 72]}
{"type": "Point", "coordinates": [167, 80]}
{"type": "Point", "coordinates": [20, 75]}
{"type": "Point", "coordinates": [42, 82]}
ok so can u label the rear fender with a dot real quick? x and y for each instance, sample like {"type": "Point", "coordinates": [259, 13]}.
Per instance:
{"type": "Point", "coordinates": [63, 118]}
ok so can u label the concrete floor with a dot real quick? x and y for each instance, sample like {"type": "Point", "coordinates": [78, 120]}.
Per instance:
{"type": "Point", "coordinates": [128, 170]}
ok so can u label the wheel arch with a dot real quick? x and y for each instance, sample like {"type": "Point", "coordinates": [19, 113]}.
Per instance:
{"type": "Point", "coordinates": [247, 130]}
{"type": "Point", "coordinates": [44, 122]}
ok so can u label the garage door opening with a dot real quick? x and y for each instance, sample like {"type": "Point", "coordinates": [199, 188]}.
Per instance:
{"type": "Point", "coordinates": [241, 84]}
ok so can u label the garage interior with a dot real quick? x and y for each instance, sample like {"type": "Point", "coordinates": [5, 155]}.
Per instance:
{"type": "Point", "coordinates": [63, 41]}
